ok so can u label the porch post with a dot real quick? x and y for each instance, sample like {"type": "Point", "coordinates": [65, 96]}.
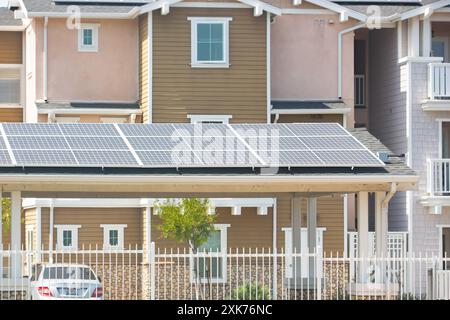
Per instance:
{"type": "Point", "coordinates": [50, 234]}
{"type": "Point", "coordinates": [380, 233]}
{"type": "Point", "coordinates": [16, 206]}
{"type": "Point", "coordinates": [312, 235]}
{"type": "Point", "coordinates": [148, 231]}
{"type": "Point", "coordinates": [426, 37]}
{"type": "Point", "coordinates": [296, 218]}
{"type": "Point", "coordinates": [1, 235]}
{"type": "Point", "coordinates": [363, 232]}
{"type": "Point", "coordinates": [38, 233]}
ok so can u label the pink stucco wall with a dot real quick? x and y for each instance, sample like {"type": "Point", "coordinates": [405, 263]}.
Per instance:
{"type": "Point", "coordinates": [111, 74]}
{"type": "Point", "coordinates": [304, 57]}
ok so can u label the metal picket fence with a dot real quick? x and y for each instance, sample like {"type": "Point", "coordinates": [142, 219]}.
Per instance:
{"type": "Point", "coordinates": [245, 273]}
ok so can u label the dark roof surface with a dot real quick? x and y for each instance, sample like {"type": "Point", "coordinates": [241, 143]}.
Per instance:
{"type": "Point", "coordinates": [307, 105]}
{"type": "Point", "coordinates": [92, 7]}
{"type": "Point", "coordinates": [7, 18]}
{"type": "Point", "coordinates": [87, 105]}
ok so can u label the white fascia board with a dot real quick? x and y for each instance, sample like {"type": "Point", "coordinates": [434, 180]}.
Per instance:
{"type": "Point", "coordinates": [157, 5]}
{"type": "Point", "coordinates": [87, 15]}
{"type": "Point", "coordinates": [436, 105]}
{"type": "Point", "coordinates": [12, 28]}
{"type": "Point", "coordinates": [28, 203]}
{"type": "Point", "coordinates": [100, 111]}
{"type": "Point", "coordinates": [425, 9]}
{"type": "Point", "coordinates": [312, 111]}
{"type": "Point", "coordinates": [340, 9]}
{"type": "Point", "coordinates": [213, 179]}
{"type": "Point", "coordinates": [435, 201]}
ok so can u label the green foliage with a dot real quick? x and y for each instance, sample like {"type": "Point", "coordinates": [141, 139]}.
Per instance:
{"type": "Point", "coordinates": [251, 291]}
{"type": "Point", "coordinates": [187, 221]}
{"type": "Point", "coordinates": [412, 296]}
{"type": "Point", "coordinates": [6, 213]}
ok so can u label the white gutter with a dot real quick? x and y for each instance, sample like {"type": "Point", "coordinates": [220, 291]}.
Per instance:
{"type": "Point", "coordinates": [45, 57]}
{"type": "Point", "coordinates": [340, 34]}
{"type": "Point", "coordinates": [427, 9]}
{"type": "Point", "coordinates": [311, 111]}
{"type": "Point", "coordinates": [13, 28]}
{"type": "Point", "coordinates": [101, 111]}
{"type": "Point", "coordinates": [87, 15]}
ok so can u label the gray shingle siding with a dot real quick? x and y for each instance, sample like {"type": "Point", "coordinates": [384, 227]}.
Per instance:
{"type": "Point", "coordinates": [387, 108]}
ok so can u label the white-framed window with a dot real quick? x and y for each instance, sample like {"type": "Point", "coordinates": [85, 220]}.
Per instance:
{"type": "Point", "coordinates": [88, 37]}
{"type": "Point", "coordinates": [210, 264]}
{"type": "Point", "coordinates": [210, 42]}
{"type": "Point", "coordinates": [29, 238]}
{"type": "Point", "coordinates": [289, 261]}
{"type": "Point", "coordinates": [113, 236]}
{"type": "Point", "coordinates": [67, 236]}
{"type": "Point", "coordinates": [209, 118]}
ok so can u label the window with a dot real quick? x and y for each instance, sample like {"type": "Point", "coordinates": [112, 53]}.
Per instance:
{"type": "Point", "coordinates": [113, 236]}
{"type": "Point", "coordinates": [209, 118]}
{"type": "Point", "coordinates": [210, 265]}
{"type": "Point", "coordinates": [439, 48]}
{"type": "Point", "coordinates": [67, 237]}
{"type": "Point", "coordinates": [88, 38]}
{"type": "Point", "coordinates": [209, 42]}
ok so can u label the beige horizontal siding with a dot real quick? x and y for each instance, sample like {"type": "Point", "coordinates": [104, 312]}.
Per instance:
{"type": "Point", "coordinates": [10, 47]}
{"type": "Point", "coordinates": [11, 114]}
{"type": "Point", "coordinates": [179, 90]}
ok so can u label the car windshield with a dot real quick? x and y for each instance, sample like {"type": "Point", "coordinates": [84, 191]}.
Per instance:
{"type": "Point", "coordinates": [77, 273]}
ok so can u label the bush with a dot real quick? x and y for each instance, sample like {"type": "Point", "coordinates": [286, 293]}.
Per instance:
{"type": "Point", "coordinates": [251, 291]}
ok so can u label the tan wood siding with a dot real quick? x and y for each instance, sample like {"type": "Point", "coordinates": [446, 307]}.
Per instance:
{"type": "Point", "coordinates": [290, 118]}
{"type": "Point", "coordinates": [143, 67]}
{"type": "Point", "coordinates": [10, 47]}
{"type": "Point", "coordinates": [90, 220]}
{"type": "Point", "coordinates": [11, 114]}
{"type": "Point", "coordinates": [179, 90]}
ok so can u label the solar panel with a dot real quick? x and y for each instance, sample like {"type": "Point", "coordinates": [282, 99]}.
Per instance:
{"type": "Point", "coordinates": [183, 145]}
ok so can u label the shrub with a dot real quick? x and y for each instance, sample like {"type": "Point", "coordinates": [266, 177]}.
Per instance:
{"type": "Point", "coordinates": [251, 291]}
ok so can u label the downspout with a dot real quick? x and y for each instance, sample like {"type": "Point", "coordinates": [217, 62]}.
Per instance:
{"type": "Point", "coordinates": [340, 34]}
{"type": "Point", "coordinates": [45, 57]}
{"type": "Point", "coordinates": [389, 196]}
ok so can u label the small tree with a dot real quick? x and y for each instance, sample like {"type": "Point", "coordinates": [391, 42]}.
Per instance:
{"type": "Point", "coordinates": [6, 213]}
{"type": "Point", "coordinates": [187, 222]}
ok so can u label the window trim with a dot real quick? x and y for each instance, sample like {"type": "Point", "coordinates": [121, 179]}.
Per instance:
{"type": "Point", "coordinates": [121, 234]}
{"type": "Point", "coordinates": [225, 119]}
{"type": "Point", "coordinates": [60, 228]}
{"type": "Point", "coordinates": [223, 228]}
{"type": "Point", "coordinates": [225, 63]}
{"type": "Point", "coordinates": [88, 48]}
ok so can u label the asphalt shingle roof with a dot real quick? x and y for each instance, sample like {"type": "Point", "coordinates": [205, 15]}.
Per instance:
{"type": "Point", "coordinates": [85, 7]}
{"type": "Point", "coordinates": [7, 18]}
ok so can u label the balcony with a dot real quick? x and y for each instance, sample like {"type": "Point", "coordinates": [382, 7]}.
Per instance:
{"type": "Point", "coordinates": [438, 180]}
{"type": "Point", "coordinates": [439, 81]}
{"type": "Point", "coordinates": [10, 84]}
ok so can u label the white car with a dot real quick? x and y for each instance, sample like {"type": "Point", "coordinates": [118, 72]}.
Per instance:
{"type": "Point", "coordinates": [64, 281]}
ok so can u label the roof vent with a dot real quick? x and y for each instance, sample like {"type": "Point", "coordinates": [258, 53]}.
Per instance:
{"type": "Point", "coordinates": [383, 156]}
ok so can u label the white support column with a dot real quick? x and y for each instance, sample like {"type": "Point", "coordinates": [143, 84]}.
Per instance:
{"type": "Point", "coordinates": [148, 229]}
{"type": "Point", "coordinates": [414, 37]}
{"type": "Point", "coordinates": [296, 220]}
{"type": "Point", "coordinates": [312, 234]}
{"type": "Point", "coordinates": [426, 37]}
{"type": "Point", "coordinates": [51, 231]}
{"type": "Point", "coordinates": [1, 235]}
{"type": "Point", "coordinates": [274, 250]}
{"type": "Point", "coordinates": [38, 233]}
{"type": "Point", "coordinates": [16, 230]}
{"type": "Point", "coordinates": [380, 234]}
{"type": "Point", "coordinates": [363, 232]}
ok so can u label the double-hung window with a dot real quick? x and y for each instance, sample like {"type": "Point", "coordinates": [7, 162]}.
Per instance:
{"type": "Point", "coordinates": [88, 37]}
{"type": "Point", "coordinates": [113, 236]}
{"type": "Point", "coordinates": [210, 42]}
{"type": "Point", "coordinates": [67, 236]}
{"type": "Point", "coordinates": [209, 265]}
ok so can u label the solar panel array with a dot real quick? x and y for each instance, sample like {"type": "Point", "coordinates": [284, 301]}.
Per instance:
{"type": "Point", "coordinates": [182, 145]}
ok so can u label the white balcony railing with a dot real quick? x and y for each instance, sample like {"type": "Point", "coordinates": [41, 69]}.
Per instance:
{"type": "Point", "coordinates": [360, 87]}
{"type": "Point", "coordinates": [10, 75]}
{"type": "Point", "coordinates": [439, 81]}
{"type": "Point", "coordinates": [438, 178]}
